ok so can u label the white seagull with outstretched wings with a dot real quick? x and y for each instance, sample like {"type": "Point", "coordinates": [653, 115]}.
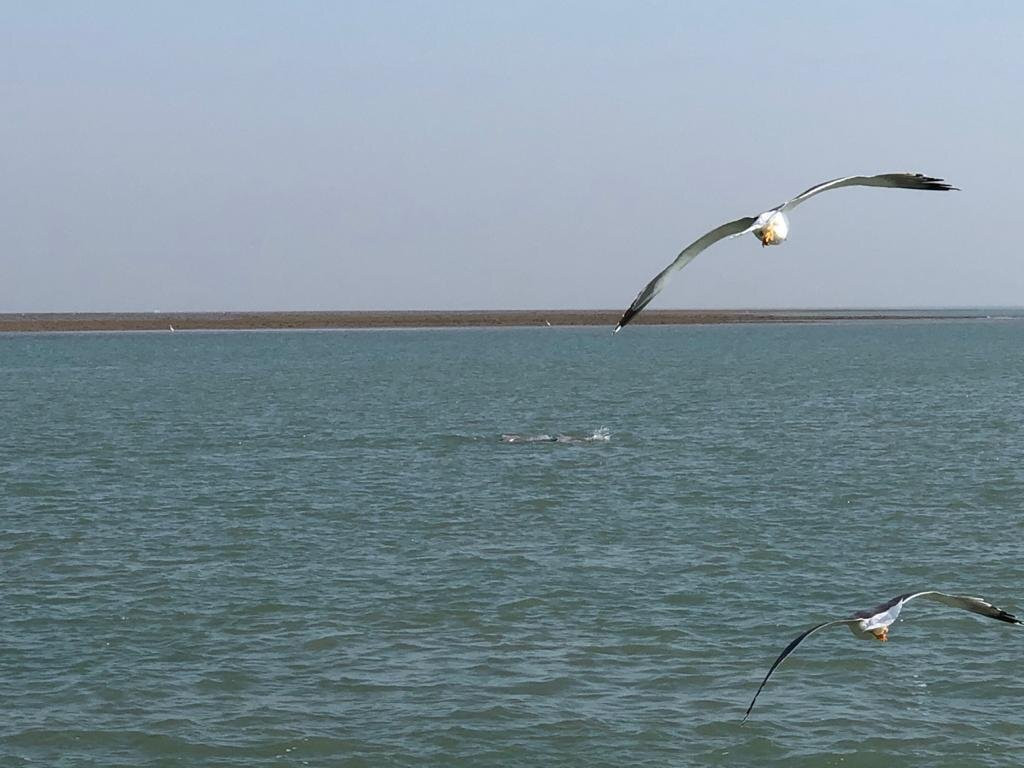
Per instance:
{"type": "Point", "coordinates": [875, 623]}
{"type": "Point", "coordinates": [772, 227]}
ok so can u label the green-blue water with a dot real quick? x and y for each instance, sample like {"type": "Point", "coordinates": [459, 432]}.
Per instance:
{"type": "Point", "coordinates": [269, 549]}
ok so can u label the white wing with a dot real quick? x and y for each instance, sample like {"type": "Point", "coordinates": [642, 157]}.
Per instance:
{"type": "Point", "coordinates": [896, 180]}
{"type": "Point", "coordinates": [789, 649]}
{"type": "Point", "coordinates": [653, 288]}
{"type": "Point", "coordinates": [972, 604]}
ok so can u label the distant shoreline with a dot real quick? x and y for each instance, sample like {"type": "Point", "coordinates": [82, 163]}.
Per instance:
{"type": "Point", "coordinates": [183, 321]}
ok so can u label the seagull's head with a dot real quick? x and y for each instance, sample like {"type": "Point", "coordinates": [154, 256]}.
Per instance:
{"type": "Point", "coordinates": [771, 228]}
{"type": "Point", "coordinates": [882, 633]}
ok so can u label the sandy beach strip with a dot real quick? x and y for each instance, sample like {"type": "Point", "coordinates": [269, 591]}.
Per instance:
{"type": "Point", "coordinates": [182, 321]}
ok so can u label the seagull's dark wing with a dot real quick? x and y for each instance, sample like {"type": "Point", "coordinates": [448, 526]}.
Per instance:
{"type": "Point", "coordinates": [896, 180]}
{"type": "Point", "coordinates": [687, 255]}
{"type": "Point", "coordinates": [789, 649]}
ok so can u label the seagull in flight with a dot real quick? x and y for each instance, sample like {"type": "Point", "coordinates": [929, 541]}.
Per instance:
{"type": "Point", "coordinates": [772, 227]}
{"type": "Point", "coordinates": [875, 623]}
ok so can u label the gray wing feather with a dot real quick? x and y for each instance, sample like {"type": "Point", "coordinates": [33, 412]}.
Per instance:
{"type": "Point", "coordinates": [687, 255]}
{"type": "Point", "coordinates": [895, 180]}
{"type": "Point", "coordinates": [788, 650]}
{"type": "Point", "coordinates": [972, 604]}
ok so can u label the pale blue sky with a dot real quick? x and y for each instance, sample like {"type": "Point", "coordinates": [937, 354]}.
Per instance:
{"type": "Point", "coordinates": [460, 155]}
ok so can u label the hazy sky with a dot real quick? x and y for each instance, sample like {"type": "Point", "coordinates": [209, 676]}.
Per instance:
{"type": "Point", "coordinates": [460, 155]}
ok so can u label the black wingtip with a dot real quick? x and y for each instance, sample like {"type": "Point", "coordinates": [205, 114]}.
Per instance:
{"type": "Point", "coordinates": [934, 183]}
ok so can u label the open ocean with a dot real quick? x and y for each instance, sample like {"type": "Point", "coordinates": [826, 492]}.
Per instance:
{"type": "Point", "coordinates": [344, 549]}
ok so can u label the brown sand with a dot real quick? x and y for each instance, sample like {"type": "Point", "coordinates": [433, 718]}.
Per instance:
{"type": "Point", "coordinates": [161, 321]}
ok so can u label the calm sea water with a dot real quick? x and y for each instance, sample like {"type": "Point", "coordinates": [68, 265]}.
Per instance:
{"type": "Point", "coordinates": [274, 549]}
